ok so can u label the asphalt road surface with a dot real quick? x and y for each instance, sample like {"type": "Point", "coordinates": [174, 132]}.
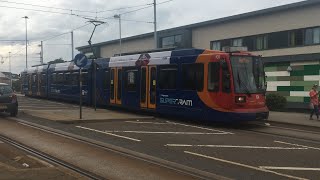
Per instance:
{"type": "Point", "coordinates": [223, 150]}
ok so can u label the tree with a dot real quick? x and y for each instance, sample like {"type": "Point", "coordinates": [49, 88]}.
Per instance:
{"type": "Point", "coordinates": [60, 60]}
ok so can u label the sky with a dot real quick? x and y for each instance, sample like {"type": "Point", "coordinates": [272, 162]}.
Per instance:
{"type": "Point", "coordinates": [50, 18]}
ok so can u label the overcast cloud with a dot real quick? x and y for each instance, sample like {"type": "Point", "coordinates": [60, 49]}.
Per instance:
{"type": "Point", "coordinates": [42, 26]}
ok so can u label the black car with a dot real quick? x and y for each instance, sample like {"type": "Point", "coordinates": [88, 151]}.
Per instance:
{"type": "Point", "coordinates": [8, 100]}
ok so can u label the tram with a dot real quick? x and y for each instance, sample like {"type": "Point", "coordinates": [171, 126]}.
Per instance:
{"type": "Point", "coordinates": [224, 86]}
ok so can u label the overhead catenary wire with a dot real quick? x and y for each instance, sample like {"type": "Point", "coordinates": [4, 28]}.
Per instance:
{"type": "Point", "coordinates": [74, 10]}
{"type": "Point", "coordinates": [147, 6]}
{"type": "Point", "coordinates": [66, 32]}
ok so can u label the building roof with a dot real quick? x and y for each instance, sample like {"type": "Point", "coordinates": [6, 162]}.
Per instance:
{"type": "Point", "coordinates": [218, 21]}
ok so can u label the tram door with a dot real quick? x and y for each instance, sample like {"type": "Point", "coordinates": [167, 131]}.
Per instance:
{"type": "Point", "coordinates": [116, 85]}
{"type": "Point", "coordinates": [148, 87]}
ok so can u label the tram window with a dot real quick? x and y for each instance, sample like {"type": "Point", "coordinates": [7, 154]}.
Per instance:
{"type": "Point", "coordinates": [214, 76]}
{"type": "Point", "coordinates": [60, 78]}
{"type": "Point", "coordinates": [84, 78]}
{"type": "Point", "coordinates": [119, 84]}
{"type": "Point", "coordinates": [131, 81]}
{"type": "Point", "coordinates": [75, 78]}
{"type": "Point", "coordinates": [143, 87]}
{"type": "Point", "coordinates": [34, 78]}
{"type": "Point", "coordinates": [192, 76]}
{"type": "Point", "coordinates": [53, 78]}
{"type": "Point", "coordinates": [226, 87]}
{"type": "Point", "coordinates": [168, 77]}
{"type": "Point", "coordinates": [44, 78]}
{"type": "Point", "coordinates": [68, 80]}
{"type": "Point", "coordinates": [106, 80]}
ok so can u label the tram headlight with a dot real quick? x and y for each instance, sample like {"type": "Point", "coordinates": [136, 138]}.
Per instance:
{"type": "Point", "coordinates": [240, 99]}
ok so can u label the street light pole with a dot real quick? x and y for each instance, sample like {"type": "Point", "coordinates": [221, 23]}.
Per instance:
{"type": "Point", "coordinates": [118, 16]}
{"type": "Point", "coordinates": [26, 17]}
{"type": "Point", "coordinates": [72, 46]}
{"type": "Point", "coordinates": [41, 61]}
{"type": "Point", "coordinates": [10, 75]}
{"type": "Point", "coordinates": [155, 25]}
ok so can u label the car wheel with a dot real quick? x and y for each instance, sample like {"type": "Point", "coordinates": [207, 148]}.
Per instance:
{"type": "Point", "coordinates": [14, 112]}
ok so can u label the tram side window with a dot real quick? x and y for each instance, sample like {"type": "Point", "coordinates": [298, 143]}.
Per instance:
{"type": "Point", "coordinates": [106, 80]}
{"type": "Point", "coordinates": [131, 81]}
{"type": "Point", "coordinates": [84, 78]}
{"type": "Point", "coordinates": [75, 78]}
{"type": "Point", "coordinates": [34, 78]}
{"type": "Point", "coordinates": [43, 78]}
{"type": "Point", "coordinates": [168, 77]}
{"type": "Point", "coordinates": [68, 79]}
{"type": "Point", "coordinates": [192, 76]}
{"type": "Point", "coordinates": [226, 84]}
{"type": "Point", "coordinates": [60, 78]}
{"type": "Point", "coordinates": [214, 76]}
{"type": "Point", "coordinates": [53, 78]}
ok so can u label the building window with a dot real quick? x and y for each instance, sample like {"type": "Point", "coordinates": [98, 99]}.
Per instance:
{"type": "Point", "coordinates": [168, 77]}
{"type": "Point", "coordinates": [312, 36]}
{"type": "Point", "coordinates": [278, 40]}
{"type": "Point", "coordinates": [237, 42]}
{"type": "Point", "coordinates": [308, 37]}
{"type": "Point", "coordinates": [216, 45]}
{"type": "Point", "coordinates": [296, 38]}
{"type": "Point", "coordinates": [192, 76]}
{"type": "Point", "coordinates": [172, 41]}
{"type": "Point", "coordinates": [261, 42]}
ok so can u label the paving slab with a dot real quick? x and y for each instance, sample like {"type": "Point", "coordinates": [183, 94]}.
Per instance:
{"type": "Point", "coordinates": [88, 115]}
{"type": "Point", "coordinates": [293, 118]}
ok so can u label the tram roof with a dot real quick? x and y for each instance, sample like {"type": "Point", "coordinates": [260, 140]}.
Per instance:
{"type": "Point", "coordinates": [70, 66]}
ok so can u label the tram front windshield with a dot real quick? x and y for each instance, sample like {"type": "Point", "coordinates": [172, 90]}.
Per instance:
{"type": "Point", "coordinates": [248, 74]}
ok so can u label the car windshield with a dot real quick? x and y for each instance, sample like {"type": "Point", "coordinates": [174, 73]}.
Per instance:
{"type": "Point", "coordinates": [248, 74]}
{"type": "Point", "coordinates": [5, 89]}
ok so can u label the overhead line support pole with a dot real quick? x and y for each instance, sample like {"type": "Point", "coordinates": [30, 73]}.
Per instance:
{"type": "Point", "coordinates": [94, 68]}
{"type": "Point", "coordinates": [155, 24]}
{"type": "Point", "coordinates": [72, 46]}
{"type": "Point", "coordinates": [41, 62]}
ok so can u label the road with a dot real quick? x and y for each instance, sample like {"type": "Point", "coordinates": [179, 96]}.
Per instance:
{"type": "Point", "coordinates": [236, 153]}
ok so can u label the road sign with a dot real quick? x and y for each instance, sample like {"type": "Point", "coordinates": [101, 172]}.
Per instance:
{"type": "Point", "coordinates": [80, 60]}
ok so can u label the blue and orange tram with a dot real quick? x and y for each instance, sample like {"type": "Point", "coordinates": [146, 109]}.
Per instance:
{"type": "Point", "coordinates": [193, 83]}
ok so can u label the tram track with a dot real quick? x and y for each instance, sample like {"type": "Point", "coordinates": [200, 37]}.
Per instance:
{"type": "Point", "coordinates": [49, 158]}
{"type": "Point", "coordinates": [304, 133]}
{"type": "Point", "coordinates": [178, 168]}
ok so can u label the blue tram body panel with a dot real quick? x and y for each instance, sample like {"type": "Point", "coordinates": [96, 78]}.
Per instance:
{"type": "Point", "coordinates": [102, 82]}
{"type": "Point", "coordinates": [64, 82]}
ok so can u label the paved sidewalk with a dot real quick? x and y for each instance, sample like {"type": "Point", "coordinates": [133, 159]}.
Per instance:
{"type": "Point", "coordinates": [88, 115]}
{"type": "Point", "coordinates": [293, 118]}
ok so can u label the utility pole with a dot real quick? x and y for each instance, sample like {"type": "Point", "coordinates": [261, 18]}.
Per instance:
{"type": "Point", "coordinates": [155, 24]}
{"type": "Point", "coordinates": [41, 54]}
{"type": "Point", "coordinates": [118, 16]}
{"type": "Point", "coordinates": [72, 46]}
{"type": "Point", "coordinates": [10, 69]}
{"type": "Point", "coordinates": [26, 17]}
